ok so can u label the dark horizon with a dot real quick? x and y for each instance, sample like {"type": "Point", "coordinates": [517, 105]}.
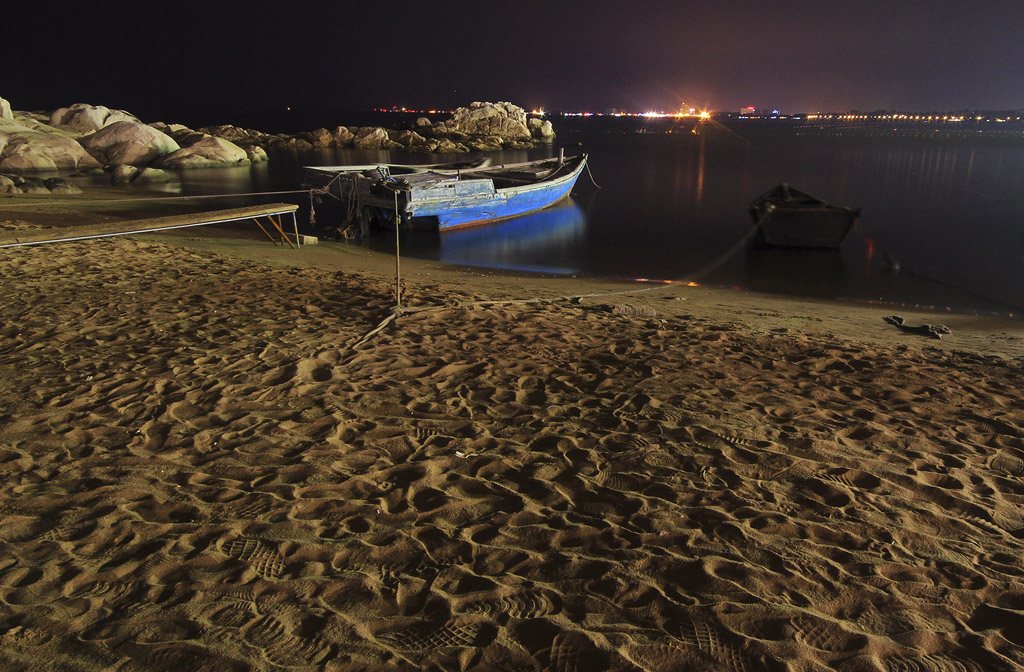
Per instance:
{"type": "Point", "coordinates": [794, 55]}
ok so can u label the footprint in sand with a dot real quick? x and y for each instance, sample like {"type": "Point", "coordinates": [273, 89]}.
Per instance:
{"type": "Point", "coordinates": [522, 605]}
{"type": "Point", "coordinates": [938, 480]}
{"type": "Point", "coordinates": [280, 647]}
{"type": "Point", "coordinates": [425, 638]}
{"type": "Point", "coordinates": [260, 555]}
{"type": "Point", "coordinates": [826, 636]}
{"type": "Point", "coordinates": [187, 658]}
{"type": "Point", "coordinates": [25, 637]}
{"type": "Point", "coordinates": [930, 663]}
{"type": "Point", "coordinates": [854, 478]}
{"type": "Point", "coordinates": [710, 639]}
{"type": "Point", "coordinates": [1007, 462]}
{"type": "Point", "coordinates": [575, 652]}
{"type": "Point", "coordinates": [312, 370]}
{"type": "Point", "coordinates": [232, 616]}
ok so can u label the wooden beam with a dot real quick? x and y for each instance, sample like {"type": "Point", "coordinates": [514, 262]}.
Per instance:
{"type": "Point", "coordinates": [128, 227]}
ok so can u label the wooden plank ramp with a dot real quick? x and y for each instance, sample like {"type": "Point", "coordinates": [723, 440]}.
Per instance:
{"type": "Point", "coordinates": [270, 211]}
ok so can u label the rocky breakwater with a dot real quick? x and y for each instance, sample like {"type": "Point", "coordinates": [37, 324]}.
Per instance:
{"type": "Point", "coordinates": [480, 127]}
{"type": "Point", "coordinates": [88, 138]}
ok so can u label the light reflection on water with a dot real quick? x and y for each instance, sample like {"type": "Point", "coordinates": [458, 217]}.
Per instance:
{"type": "Point", "coordinates": [943, 220]}
{"type": "Point", "coordinates": [543, 241]}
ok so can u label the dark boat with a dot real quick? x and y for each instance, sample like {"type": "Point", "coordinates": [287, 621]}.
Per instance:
{"type": "Point", "coordinates": [788, 217]}
{"type": "Point", "coordinates": [452, 198]}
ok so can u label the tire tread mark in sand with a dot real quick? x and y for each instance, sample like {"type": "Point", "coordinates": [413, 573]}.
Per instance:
{"type": "Point", "coordinates": [259, 555]}
{"type": "Point", "coordinates": [424, 638]}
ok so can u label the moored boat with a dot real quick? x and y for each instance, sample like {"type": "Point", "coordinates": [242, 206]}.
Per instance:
{"type": "Point", "coordinates": [450, 198]}
{"type": "Point", "coordinates": [788, 217]}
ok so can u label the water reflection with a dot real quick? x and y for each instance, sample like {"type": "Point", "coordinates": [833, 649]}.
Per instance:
{"type": "Point", "coordinates": [949, 209]}
{"type": "Point", "coordinates": [543, 242]}
{"type": "Point", "coordinates": [807, 272]}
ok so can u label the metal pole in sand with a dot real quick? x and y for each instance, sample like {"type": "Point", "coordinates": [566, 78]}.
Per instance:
{"type": "Point", "coordinates": [398, 266]}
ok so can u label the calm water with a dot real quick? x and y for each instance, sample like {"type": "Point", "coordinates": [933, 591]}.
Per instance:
{"type": "Point", "coordinates": [942, 224]}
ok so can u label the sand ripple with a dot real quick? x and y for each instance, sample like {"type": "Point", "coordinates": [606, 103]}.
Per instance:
{"type": "Point", "coordinates": [199, 472]}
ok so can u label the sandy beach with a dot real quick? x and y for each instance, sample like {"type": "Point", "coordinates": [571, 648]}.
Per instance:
{"type": "Point", "coordinates": [209, 460]}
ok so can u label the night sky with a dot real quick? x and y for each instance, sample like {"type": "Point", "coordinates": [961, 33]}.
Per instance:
{"type": "Point", "coordinates": [794, 55]}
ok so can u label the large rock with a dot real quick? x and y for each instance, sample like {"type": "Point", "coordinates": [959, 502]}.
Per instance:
{"type": "Point", "coordinates": [83, 118]}
{"type": "Point", "coordinates": [504, 120]}
{"type": "Point", "coordinates": [151, 176]}
{"type": "Point", "coordinates": [541, 129]}
{"type": "Point", "coordinates": [343, 136]}
{"type": "Point", "coordinates": [58, 185]}
{"type": "Point", "coordinates": [19, 184]}
{"type": "Point", "coordinates": [489, 143]}
{"type": "Point", "coordinates": [123, 174]}
{"type": "Point", "coordinates": [409, 139]}
{"type": "Point", "coordinates": [254, 143]}
{"type": "Point", "coordinates": [5, 110]}
{"type": "Point", "coordinates": [31, 151]}
{"type": "Point", "coordinates": [255, 153]}
{"type": "Point", "coordinates": [130, 143]}
{"type": "Point", "coordinates": [446, 146]}
{"type": "Point", "coordinates": [321, 138]}
{"type": "Point", "coordinates": [230, 133]}
{"type": "Point", "coordinates": [374, 137]}
{"type": "Point", "coordinates": [205, 152]}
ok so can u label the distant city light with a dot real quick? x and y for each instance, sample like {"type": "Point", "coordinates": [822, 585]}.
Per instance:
{"type": "Point", "coordinates": [766, 113]}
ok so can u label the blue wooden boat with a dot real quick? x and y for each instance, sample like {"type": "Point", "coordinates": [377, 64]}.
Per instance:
{"type": "Point", "coordinates": [448, 198]}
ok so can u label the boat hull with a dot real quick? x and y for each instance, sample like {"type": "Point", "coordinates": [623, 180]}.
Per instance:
{"type": "Point", "coordinates": [502, 206]}
{"type": "Point", "coordinates": [788, 217]}
{"type": "Point", "coordinates": [453, 199]}
{"type": "Point", "coordinates": [806, 228]}
{"type": "Point", "coordinates": [481, 203]}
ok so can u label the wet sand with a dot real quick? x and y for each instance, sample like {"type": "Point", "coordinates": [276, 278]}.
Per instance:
{"type": "Point", "coordinates": [209, 461]}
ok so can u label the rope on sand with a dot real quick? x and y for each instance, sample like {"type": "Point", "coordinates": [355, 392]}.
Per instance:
{"type": "Point", "coordinates": [399, 310]}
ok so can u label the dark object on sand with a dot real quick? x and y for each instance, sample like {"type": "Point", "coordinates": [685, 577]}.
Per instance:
{"type": "Point", "coordinates": [929, 330]}
{"type": "Point", "coordinates": [788, 217]}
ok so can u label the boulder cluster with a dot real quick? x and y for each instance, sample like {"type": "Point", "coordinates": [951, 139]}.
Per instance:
{"type": "Point", "coordinates": [84, 138]}
{"type": "Point", "coordinates": [481, 127]}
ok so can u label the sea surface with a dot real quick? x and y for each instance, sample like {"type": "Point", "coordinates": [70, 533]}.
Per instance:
{"type": "Point", "coordinates": [942, 223]}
